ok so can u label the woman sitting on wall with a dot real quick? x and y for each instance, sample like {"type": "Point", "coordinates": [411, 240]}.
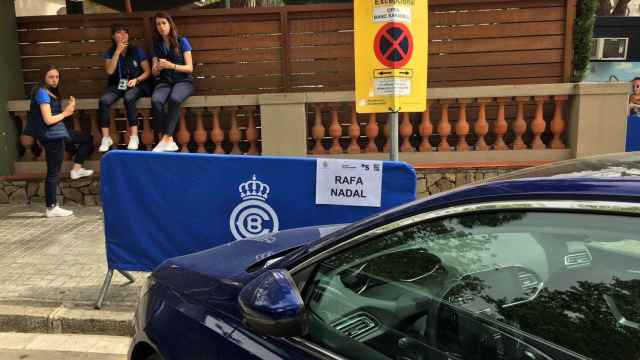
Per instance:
{"type": "Point", "coordinates": [128, 68]}
{"type": "Point", "coordinates": [172, 67]}
{"type": "Point", "coordinates": [45, 123]}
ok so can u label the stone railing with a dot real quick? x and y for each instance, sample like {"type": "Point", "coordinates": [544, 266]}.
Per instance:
{"type": "Point", "coordinates": [214, 124]}
{"type": "Point", "coordinates": [475, 124]}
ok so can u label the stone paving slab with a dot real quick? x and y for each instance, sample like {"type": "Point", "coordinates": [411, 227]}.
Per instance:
{"type": "Point", "coordinates": [58, 261]}
{"type": "Point", "coordinates": [51, 271]}
{"type": "Point", "coordinates": [62, 346]}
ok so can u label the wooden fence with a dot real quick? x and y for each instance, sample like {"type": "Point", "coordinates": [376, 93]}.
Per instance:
{"type": "Point", "coordinates": [310, 48]}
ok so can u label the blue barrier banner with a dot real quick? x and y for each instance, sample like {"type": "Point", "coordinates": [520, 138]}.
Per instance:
{"type": "Point", "coordinates": [633, 133]}
{"type": "Point", "coordinates": [162, 205]}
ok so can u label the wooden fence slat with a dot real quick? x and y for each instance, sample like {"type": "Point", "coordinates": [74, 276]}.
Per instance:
{"type": "Point", "coordinates": [495, 72]}
{"type": "Point", "coordinates": [93, 33]}
{"type": "Point", "coordinates": [63, 61]}
{"type": "Point", "coordinates": [322, 52]}
{"type": "Point", "coordinates": [239, 69]}
{"type": "Point", "coordinates": [320, 25]}
{"type": "Point", "coordinates": [237, 55]}
{"type": "Point", "coordinates": [235, 42]}
{"type": "Point", "coordinates": [488, 31]}
{"type": "Point", "coordinates": [65, 48]}
{"type": "Point", "coordinates": [229, 28]}
{"type": "Point", "coordinates": [497, 16]}
{"type": "Point", "coordinates": [323, 66]}
{"type": "Point", "coordinates": [479, 45]}
{"type": "Point", "coordinates": [321, 39]}
{"type": "Point", "coordinates": [497, 58]}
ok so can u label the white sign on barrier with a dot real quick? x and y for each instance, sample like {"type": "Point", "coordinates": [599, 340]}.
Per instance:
{"type": "Point", "coordinates": [348, 182]}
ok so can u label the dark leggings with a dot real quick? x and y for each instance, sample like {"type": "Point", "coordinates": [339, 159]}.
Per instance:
{"type": "Point", "coordinates": [131, 96]}
{"type": "Point", "coordinates": [173, 95]}
{"type": "Point", "coordinates": [54, 152]}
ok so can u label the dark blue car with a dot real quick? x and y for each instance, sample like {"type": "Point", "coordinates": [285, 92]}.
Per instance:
{"type": "Point", "coordinates": [539, 264]}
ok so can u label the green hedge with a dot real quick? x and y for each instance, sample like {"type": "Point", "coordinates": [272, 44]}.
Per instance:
{"type": "Point", "coordinates": [582, 34]}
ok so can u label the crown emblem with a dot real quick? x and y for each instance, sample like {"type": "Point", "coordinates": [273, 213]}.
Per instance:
{"type": "Point", "coordinates": [254, 189]}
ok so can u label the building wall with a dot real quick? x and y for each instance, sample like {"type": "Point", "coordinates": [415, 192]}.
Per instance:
{"type": "Point", "coordinates": [11, 88]}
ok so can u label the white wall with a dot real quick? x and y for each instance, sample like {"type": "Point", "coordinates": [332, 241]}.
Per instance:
{"type": "Point", "coordinates": [38, 7]}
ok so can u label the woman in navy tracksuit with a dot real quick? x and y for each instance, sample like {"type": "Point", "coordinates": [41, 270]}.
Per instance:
{"type": "Point", "coordinates": [172, 67]}
{"type": "Point", "coordinates": [128, 70]}
{"type": "Point", "coordinates": [45, 123]}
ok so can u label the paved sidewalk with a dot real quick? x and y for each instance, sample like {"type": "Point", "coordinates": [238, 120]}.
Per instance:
{"type": "Point", "coordinates": [57, 263]}
{"type": "Point", "coordinates": [62, 346]}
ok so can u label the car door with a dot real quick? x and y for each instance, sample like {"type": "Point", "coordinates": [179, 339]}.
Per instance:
{"type": "Point", "coordinates": [510, 280]}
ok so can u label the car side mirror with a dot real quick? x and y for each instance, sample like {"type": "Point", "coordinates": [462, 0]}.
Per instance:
{"type": "Point", "coordinates": [271, 305]}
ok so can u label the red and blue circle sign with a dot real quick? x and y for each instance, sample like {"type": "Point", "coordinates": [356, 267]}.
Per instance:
{"type": "Point", "coordinates": [393, 45]}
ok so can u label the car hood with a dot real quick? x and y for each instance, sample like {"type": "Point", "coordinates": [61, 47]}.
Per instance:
{"type": "Point", "coordinates": [217, 274]}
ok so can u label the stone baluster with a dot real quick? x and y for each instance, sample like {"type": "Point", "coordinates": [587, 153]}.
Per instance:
{"type": "Point", "coordinates": [426, 129]}
{"type": "Point", "coordinates": [372, 131]}
{"type": "Point", "coordinates": [25, 140]}
{"type": "Point", "coordinates": [95, 132]}
{"type": "Point", "coordinates": [444, 126]}
{"type": "Point", "coordinates": [386, 131]}
{"type": "Point", "coordinates": [335, 131]}
{"type": "Point", "coordinates": [481, 127]}
{"type": "Point", "coordinates": [147, 132]}
{"type": "Point", "coordinates": [558, 124]}
{"type": "Point", "coordinates": [501, 125]}
{"type": "Point", "coordinates": [252, 132]}
{"type": "Point", "coordinates": [113, 131]}
{"type": "Point", "coordinates": [234, 132]}
{"type": "Point", "coordinates": [538, 125]}
{"type": "Point", "coordinates": [318, 130]}
{"type": "Point", "coordinates": [462, 126]}
{"type": "Point", "coordinates": [354, 132]}
{"type": "Point", "coordinates": [520, 125]}
{"type": "Point", "coordinates": [406, 130]}
{"type": "Point", "coordinates": [217, 135]}
{"type": "Point", "coordinates": [183, 135]}
{"type": "Point", "coordinates": [199, 134]}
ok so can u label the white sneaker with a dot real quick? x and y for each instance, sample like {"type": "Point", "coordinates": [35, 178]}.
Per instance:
{"type": "Point", "coordinates": [57, 211]}
{"type": "Point", "coordinates": [160, 147]}
{"type": "Point", "coordinates": [105, 144]}
{"type": "Point", "coordinates": [134, 143]}
{"type": "Point", "coordinates": [172, 146]}
{"type": "Point", "coordinates": [82, 172]}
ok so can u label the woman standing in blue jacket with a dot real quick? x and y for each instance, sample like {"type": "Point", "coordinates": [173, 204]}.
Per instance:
{"type": "Point", "coordinates": [45, 123]}
{"type": "Point", "coordinates": [172, 67]}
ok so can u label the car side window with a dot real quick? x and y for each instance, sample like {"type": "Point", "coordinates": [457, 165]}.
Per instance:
{"type": "Point", "coordinates": [499, 285]}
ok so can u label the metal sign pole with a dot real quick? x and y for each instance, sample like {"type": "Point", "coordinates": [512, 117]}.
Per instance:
{"type": "Point", "coordinates": [393, 135]}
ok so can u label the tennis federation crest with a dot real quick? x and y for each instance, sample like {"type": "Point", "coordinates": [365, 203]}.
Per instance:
{"type": "Point", "coordinates": [253, 216]}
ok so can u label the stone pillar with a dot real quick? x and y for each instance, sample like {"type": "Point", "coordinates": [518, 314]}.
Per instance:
{"type": "Point", "coordinates": [598, 122]}
{"type": "Point", "coordinates": [11, 86]}
{"type": "Point", "coordinates": [283, 118]}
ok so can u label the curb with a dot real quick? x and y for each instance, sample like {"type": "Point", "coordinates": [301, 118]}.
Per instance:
{"type": "Point", "coordinates": [58, 320]}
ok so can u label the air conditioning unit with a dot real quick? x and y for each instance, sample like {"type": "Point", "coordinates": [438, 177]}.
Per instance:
{"type": "Point", "coordinates": [609, 49]}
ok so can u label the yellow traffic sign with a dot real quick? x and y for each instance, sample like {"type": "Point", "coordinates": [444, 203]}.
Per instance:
{"type": "Point", "coordinates": [391, 51]}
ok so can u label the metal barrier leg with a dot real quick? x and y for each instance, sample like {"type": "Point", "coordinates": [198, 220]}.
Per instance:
{"type": "Point", "coordinates": [128, 276]}
{"type": "Point", "coordinates": [104, 289]}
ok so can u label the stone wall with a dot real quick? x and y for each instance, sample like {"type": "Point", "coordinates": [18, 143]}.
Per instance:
{"type": "Point", "coordinates": [430, 182]}
{"type": "Point", "coordinates": [85, 191]}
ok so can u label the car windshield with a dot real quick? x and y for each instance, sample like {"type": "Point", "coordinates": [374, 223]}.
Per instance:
{"type": "Point", "coordinates": [540, 278]}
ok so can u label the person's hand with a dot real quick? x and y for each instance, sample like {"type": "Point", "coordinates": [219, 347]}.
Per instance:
{"type": "Point", "coordinates": [155, 70]}
{"type": "Point", "coordinates": [71, 106]}
{"type": "Point", "coordinates": [132, 82]}
{"type": "Point", "coordinates": [121, 47]}
{"type": "Point", "coordinates": [164, 64]}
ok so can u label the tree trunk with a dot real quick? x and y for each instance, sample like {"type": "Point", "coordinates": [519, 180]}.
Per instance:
{"type": "Point", "coordinates": [621, 8]}
{"type": "Point", "coordinates": [604, 8]}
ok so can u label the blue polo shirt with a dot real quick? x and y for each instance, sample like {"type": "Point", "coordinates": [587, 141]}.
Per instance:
{"type": "Point", "coordinates": [36, 126]}
{"type": "Point", "coordinates": [138, 57]}
{"type": "Point", "coordinates": [161, 51]}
